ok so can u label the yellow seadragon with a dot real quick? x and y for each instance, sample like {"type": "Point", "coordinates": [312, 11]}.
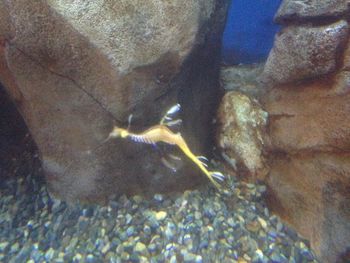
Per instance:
{"type": "Point", "coordinates": [161, 133]}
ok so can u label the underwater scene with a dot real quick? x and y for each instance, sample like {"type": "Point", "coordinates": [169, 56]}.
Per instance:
{"type": "Point", "coordinates": [190, 131]}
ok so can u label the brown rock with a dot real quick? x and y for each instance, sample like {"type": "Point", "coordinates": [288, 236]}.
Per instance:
{"type": "Point", "coordinates": [311, 117]}
{"type": "Point", "coordinates": [242, 78]}
{"type": "Point", "coordinates": [309, 124]}
{"type": "Point", "coordinates": [304, 52]}
{"type": "Point", "coordinates": [342, 83]}
{"type": "Point", "coordinates": [240, 134]}
{"type": "Point", "coordinates": [346, 58]}
{"type": "Point", "coordinates": [311, 191]}
{"type": "Point", "coordinates": [5, 25]}
{"type": "Point", "coordinates": [309, 181]}
{"type": "Point", "coordinates": [301, 10]}
{"type": "Point", "coordinates": [80, 68]}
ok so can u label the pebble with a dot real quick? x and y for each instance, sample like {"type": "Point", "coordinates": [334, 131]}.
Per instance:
{"type": "Point", "coordinates": [197, 226]}
{"type": "Point", "coordinates": [161, 215]}
{"type": "Point", "coordinates": [190, 257]}
{"type": "Point", "coordinates": [90, 258]}
{"type": "Point", "coordinates": [279, 227]}
{"type": "Point", "coordinates": [77, 257]}
{"type": "Point", "coordinates": [49, 254]}
{"type": "Point", "coordinates": [253, 226]}
{"type": "Point", "coordinates": [262, 222]}
{"type": "Point", "coordinates": [14, 248]}
{"type": "Point", "coordinates": [170, 230]}
{"type": "Point", "coordinates": [140, 247]}
{"type": "Point", "coordinates": [106, 248]}
{"type": "Point", "coordinates": [130, 231]}
{"type": "Point", "coordinates": [128, 219]}
{"type": "Point", "coordinates": [277, 257]}
{"type": "Point", "coordinates": [158, 197]}
{"type": "Point", "coordinates": [3, 245]}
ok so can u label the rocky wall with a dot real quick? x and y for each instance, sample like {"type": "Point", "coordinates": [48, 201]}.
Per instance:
{"type": "Point", "coordinates": [75, 69]}
{"type": "Point", "coordinates": [308, 101]}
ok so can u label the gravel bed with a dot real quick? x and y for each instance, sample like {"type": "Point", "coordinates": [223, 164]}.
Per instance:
{"type": "Point", "coordinates": [195, 226]}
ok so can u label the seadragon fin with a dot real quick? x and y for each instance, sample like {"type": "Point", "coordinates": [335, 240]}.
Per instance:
{"type": "Point", "coordinates": [168, 118]}
{"type": "Point", "coordinates": [160, 133]}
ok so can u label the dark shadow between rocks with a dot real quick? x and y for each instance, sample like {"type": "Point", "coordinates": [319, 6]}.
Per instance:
{"type": "Point", "coordinates": [18, 152]}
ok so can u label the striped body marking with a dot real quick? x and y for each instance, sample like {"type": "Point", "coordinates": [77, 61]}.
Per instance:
{"type": "Point", "coordinates": [161, 133]}
{"type": "Point", "coordinates": [140, 138]}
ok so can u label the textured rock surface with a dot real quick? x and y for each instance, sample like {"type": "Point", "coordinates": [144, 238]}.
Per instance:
{"type": "Point", "coordinates": [242, 78]}
{"type": "Point", "coordinates": [4, 21]}
{"type": "Point", "coordinates": [312, 192]}
{"type": "Point", "coordinates": [77, 68]}
{"type": "Point", "coordinates": [309, 150]}
{"type": "Point", "coordinates": [308, 101]}
{"type": "Point", "coordinates": [309, 117]}
{"type": "Point", "coordinates": [240, 134]}
{"type": "Point", "coordinates": [299, 10]}
{"type": "Point", "coordinates": [302, 52]}
{"type": "Point", "coordinates": [144, 29]}
{"type": "Point", "coordinates": [346, 59]}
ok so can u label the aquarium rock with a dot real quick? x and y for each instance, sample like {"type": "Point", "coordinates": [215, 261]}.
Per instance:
{"type": "Point", "coordinates": [310, 124]}
{"type": "Point", "coordinates": [243, 78]}
{"type": "Point", "coordinates": [240, 134]}
{"type": "Point", "coordinates": [77, 68]}
{"type": "Point", "coordinates": [304, 51]}
{"type": "Point", "coordinates": [305, 10]}
{"type": "Point", "coordinates": [200, 226]}
{"type": "Point", "coordinates": [307, 98]}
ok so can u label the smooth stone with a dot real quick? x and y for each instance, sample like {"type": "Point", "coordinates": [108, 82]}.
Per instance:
{"type": "Point", "coordinates": [77, 257]}
{"type": "Point", "coordinates": [279, 226]}
{"type": "Point", "coordinates": [3, 245]}
{"type": "Point", "coordinates": [147, 230]}
{"type": "Point", "coordinates": [140, 247]}
{"type": "Point", "coordinates": [231, 222]}
{"type": "Point", "coordinates": [130, 231]}
{"type": "Point", "coordinates": [123, 236]}
{"type": "Point", "coordinates": [152, 248]}
{"type": "Point", "coordinates": [170, 230]}
{"type": "Point", "coordinates": [125, 256]}
{"type": "Point", "coordinates": [23, 254]}
{"type": "Point", "coordinates": [106, 248]}
{"type": "Point", "coordinates": [137, 199]}
{"type": "Point", "coordinates": [161, 215]}
{"type": "Point", "coordinates": [253, 226]}
{"type": "Point", "coordinates": [90, 258]}
{"type": "Point", "coordinates": [276, 256]}
{"type": "Point", "coordinates": [14, 248]}
{"type": "Point", "coordinates": [190, 257]}
{"type": "Point", "coordinates": [197, 215]}
{"type": "Point", "coordinates": [262, 222]}
{"type": "Point", "coordinates": [72, 244]}
{"type": "Point", "coordinates": [203, 244]}
{"type": "Point", "coordinates": [158, 197]}
{"type": "Point", "coordinates": [128, 218]}
{"type": "Point", "coordinates": [49, 254]}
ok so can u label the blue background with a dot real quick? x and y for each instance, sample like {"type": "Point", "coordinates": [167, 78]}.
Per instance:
{"type": "Point", "coordinates": [249, 31]}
